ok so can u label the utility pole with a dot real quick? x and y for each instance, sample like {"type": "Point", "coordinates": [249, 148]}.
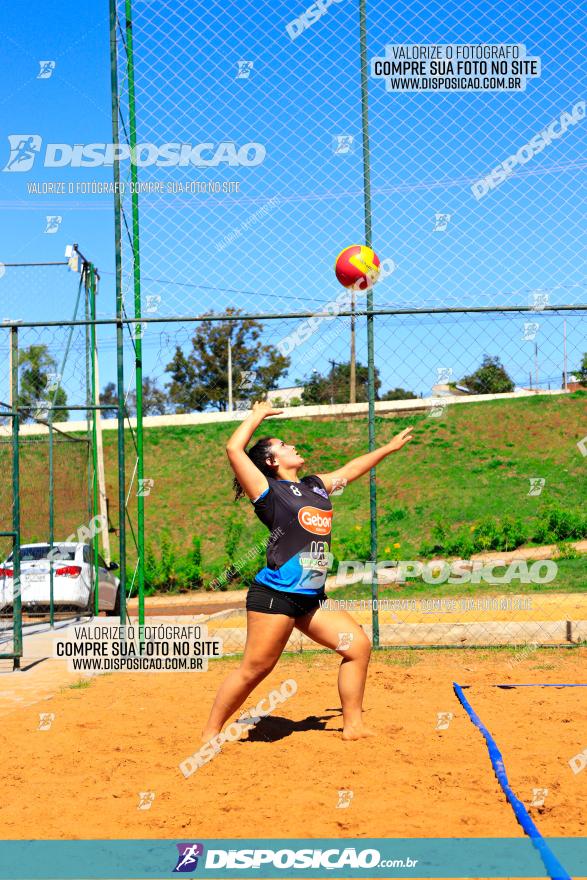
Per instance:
{"type": "Point", "coordinates": [10, 376]}
{"type": "Point", "coordinates": [565, 354]}
{"type": "Point", "coordinates": [333, 363]}
{"type": "Point", "coordinates": [229, 376]}
{"type": "Point", "coordinates": [353, 374]}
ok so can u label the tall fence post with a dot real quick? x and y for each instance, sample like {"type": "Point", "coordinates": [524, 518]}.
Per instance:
{"type": "Point", "coordinates": [370, 318]}
{"type": "Point", "coordinates": [137, 303]}
{"type": "Point", "coordinates": [94, 401]}
{"type": "Point", "coordinates": [16, 596]}
{"type": "Point", "coordinates": [119, 315]}
{"type": "Point", "coordinates": [51, 518]}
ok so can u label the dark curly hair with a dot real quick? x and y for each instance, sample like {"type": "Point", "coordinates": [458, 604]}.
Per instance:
{"type": "Point", "coordinates": [259, 453]}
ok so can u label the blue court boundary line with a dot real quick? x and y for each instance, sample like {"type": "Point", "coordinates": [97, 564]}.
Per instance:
{"type": "Point", "coordinates": [551, 863]}
{"type": "Point", "coordinates": [540, 685]}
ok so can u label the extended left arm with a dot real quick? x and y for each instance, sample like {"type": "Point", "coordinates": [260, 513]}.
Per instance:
{"type": "Point", "coordinates": [355, 468]}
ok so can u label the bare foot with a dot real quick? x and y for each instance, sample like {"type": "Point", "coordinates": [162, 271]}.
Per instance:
{"type": "Point", "coordinates": [359, 731]}
{"type": "Point", "coordinates": [207, 735]}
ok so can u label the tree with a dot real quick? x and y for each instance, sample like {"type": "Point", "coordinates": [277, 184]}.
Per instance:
{"type": "Point", "coordinates": [199, 379]}
{"type": "Point", "coordinates": [40, 385]}
{"type": "Point", "coordinates": [490, 378]}
{"type": "Point", "coordinates": [399, 394]}
{"type": "Point", "coordinates": [155, 400]}
{"type": "Point", "coordinates": [335, 385]}
{"type": "Point", "coordinates": [109, 397]}
{"type": "Point", "coordinates": [581, 373]}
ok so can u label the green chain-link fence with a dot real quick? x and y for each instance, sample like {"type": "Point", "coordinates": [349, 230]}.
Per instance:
{"type": "Point", "coordinates": [46, 446]}
{"type": "Point", "coordinates": [267, 138]}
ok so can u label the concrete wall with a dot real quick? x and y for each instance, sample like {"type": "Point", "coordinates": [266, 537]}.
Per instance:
{"type": "Point", "coordinates": [383, 407]}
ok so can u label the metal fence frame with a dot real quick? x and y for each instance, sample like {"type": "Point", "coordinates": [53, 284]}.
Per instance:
{"type": "Point", "coordinates": [123, 321]}
{"type": "Point", "coordinates": [127, 227]}
{"type": "Point", "coordinates": [127, 233]}
{"type": "Point", "coordinates": [88, 282]}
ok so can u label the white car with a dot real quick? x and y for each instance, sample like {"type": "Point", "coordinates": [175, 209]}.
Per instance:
{"type": "Point", "coordinates": [73, 579]}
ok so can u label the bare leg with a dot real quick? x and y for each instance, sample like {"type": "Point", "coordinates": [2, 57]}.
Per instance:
{"type": "Point", "coordinates": [339, 631]}
{"type": "Point", "coordinates": [267, 636]}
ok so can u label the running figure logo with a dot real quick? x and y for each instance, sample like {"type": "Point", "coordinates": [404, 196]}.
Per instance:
{"type": "Point", "coordinates": [538, 797]}
{"type": "Point", "coordinates": [46, 69]}
{"type": "Point", "coordinates": [531, 328]}
{"type": "Point", "coordinates": [342, 144]}
{"type": "Point", "coordinates": [187, 860]}
{"type": "Point", "coordinates": [244, 69]}
{"type": "Point", "coordinates": [345, 796]}
{"type": "Point", "coordinates": [537, 484]}
{"type": "Point", "coordinates": [441, 222]}
{"type": "Point", "coordinates": [53, 223]}
{"type": "Point", "coordinates": [23, 150]}
{"type": "Point", "coordinates": [146, 799]}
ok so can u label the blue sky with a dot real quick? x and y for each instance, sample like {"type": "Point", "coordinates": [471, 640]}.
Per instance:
{"type": "Point", "coordinates": [426, 151]}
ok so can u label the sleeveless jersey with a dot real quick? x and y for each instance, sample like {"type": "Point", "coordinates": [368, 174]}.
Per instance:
{"type": "Point", "coordinates": [299, 516]}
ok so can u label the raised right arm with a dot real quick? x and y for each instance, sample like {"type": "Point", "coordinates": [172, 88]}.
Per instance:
{"type": "Point", "coordinates": [247, 473]}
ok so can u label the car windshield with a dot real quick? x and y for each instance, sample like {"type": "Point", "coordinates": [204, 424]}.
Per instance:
{"type": "Point", "coordinates": [33, 554]}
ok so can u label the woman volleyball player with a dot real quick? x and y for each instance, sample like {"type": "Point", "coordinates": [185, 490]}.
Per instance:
{"type": "Point", "coordinates": [289, 591]}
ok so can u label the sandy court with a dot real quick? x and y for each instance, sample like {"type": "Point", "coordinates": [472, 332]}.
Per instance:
{"type": "Point", "coordinates": [125, 734]}
{"type": "Point", "coordinates": [539, 731]}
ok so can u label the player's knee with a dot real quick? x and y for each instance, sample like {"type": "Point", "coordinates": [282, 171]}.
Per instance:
{"type": "Point", "coordinates": [256, 670]}
{"type": "Point", "coordinates": [359, 648]}
{"type": "Point", "coordinates": [367, 647]}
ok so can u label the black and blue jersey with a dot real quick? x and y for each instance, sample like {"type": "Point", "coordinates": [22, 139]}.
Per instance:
{"type": "Point", "coordinates": [299, 516]}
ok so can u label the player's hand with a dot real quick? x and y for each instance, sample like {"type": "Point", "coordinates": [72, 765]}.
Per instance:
{"type": "Point", "coordinates": [400, 439]}
{"type": "Point", "coordinates": [262, 409]}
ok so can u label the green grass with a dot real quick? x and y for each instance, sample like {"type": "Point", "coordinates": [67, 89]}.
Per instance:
{"type": "Point", "coordinates": [473, 463]}
{"type": "Point", "coordinates": [80, 685]}
{"type": "Point", "coordinates": [399, 658]}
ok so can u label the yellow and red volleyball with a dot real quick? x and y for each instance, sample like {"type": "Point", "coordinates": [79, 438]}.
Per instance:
{"type": "Point", "coordinates": [357, 266]}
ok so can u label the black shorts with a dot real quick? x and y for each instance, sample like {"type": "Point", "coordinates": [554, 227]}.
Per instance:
{"type": "Point", "coordinates": [269, 601]}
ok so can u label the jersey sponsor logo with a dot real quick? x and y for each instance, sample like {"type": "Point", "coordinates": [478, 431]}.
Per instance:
{"type": "Point", "coordinates": [319, 522]}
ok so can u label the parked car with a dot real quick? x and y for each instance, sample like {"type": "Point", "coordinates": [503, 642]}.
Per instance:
{"type": "Point", "coordinates": [73, 579]}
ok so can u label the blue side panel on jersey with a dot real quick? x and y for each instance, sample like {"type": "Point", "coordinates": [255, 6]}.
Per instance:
{"type": "Point", "coordinates": [291, 577]}
{"type": "Point", "coordinates": [262, 495]}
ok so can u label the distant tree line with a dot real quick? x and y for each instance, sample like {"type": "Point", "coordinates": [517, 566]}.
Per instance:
{"type": "Point", "coordinates": [198, 377]}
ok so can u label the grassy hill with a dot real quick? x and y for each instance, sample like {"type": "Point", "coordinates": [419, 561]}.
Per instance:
{"type": "Point", "coordinates": [473, 463]}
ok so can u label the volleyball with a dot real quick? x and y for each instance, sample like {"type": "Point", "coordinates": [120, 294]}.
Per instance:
{"type": "Point", "coordinates": [357, 266]}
